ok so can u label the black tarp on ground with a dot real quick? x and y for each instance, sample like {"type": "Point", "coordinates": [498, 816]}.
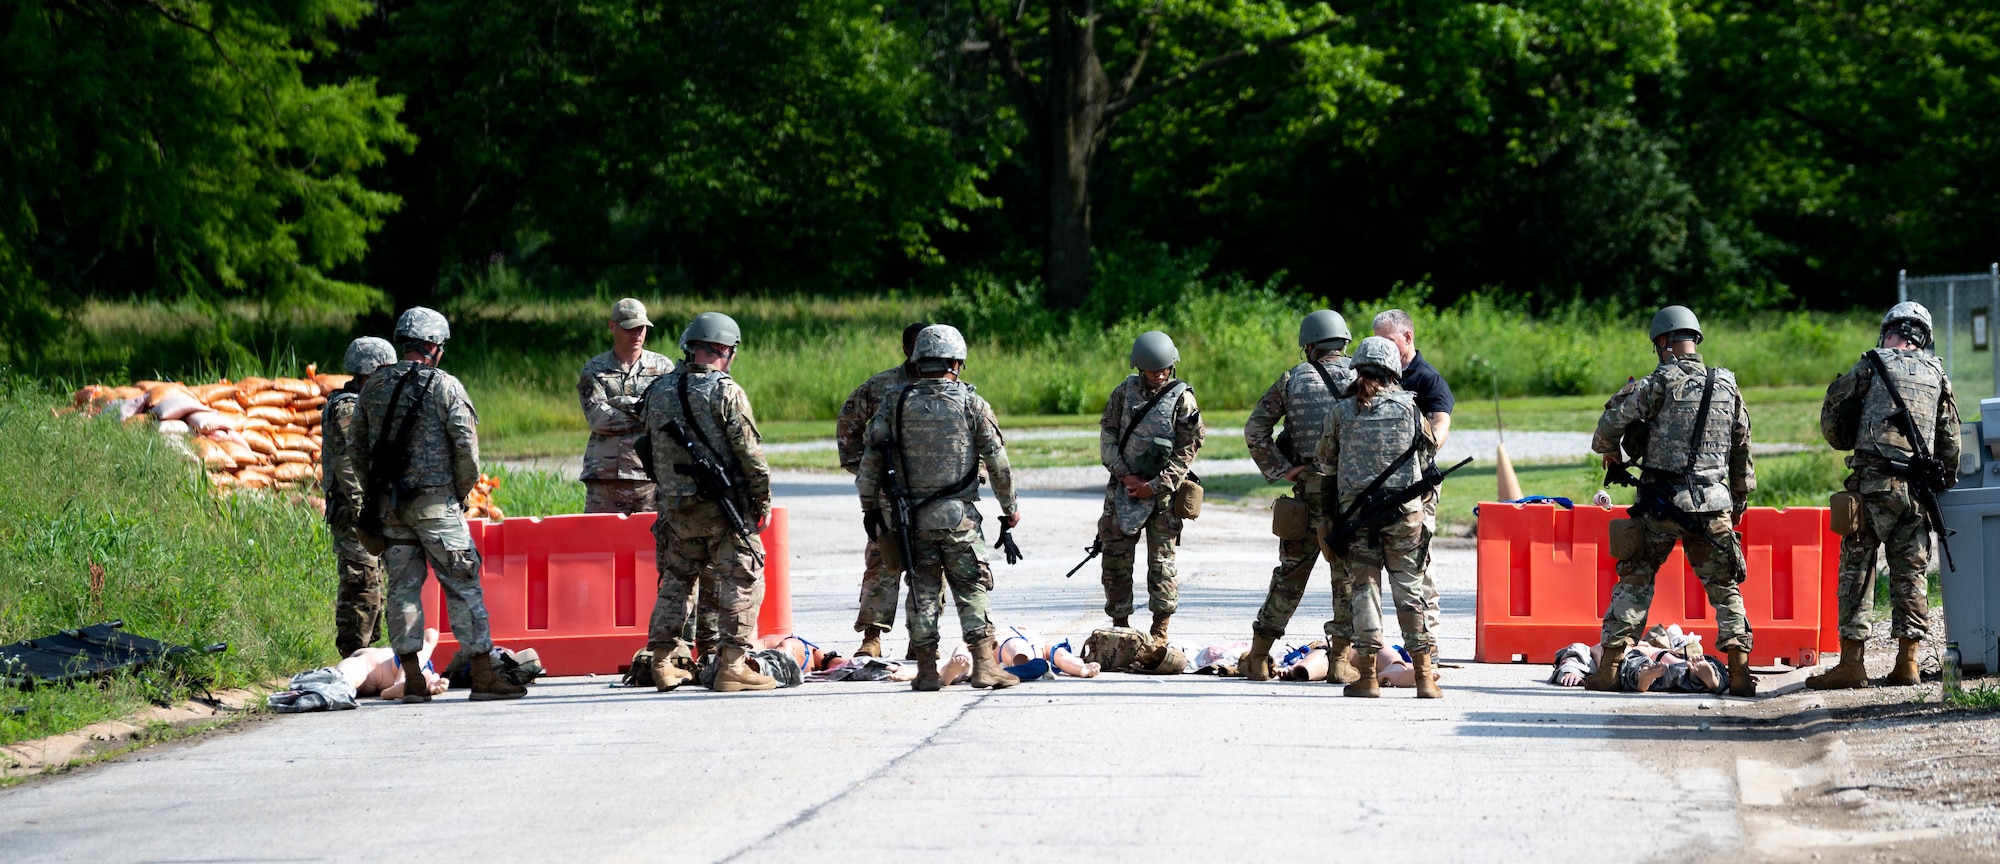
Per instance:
{"type": "Point", "coordinates": [86, 652]}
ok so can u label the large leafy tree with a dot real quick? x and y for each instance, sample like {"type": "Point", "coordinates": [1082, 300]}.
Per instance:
{"type": "Point", "coordinates": [174, 147]}
{"type": "Point", "coordinates": [697, 145]}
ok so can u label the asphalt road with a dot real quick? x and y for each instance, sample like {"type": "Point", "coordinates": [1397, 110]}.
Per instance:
{"type": "Point", "coordinates": [1117, 768]}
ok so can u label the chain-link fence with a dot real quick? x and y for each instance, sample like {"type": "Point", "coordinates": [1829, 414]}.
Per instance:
{"type": "Point", "coordinates": [1965, 309]}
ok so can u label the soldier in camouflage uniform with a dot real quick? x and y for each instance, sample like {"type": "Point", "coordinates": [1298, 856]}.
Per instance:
{"type": "Point", "coordinates": [935, 434]}
{"type": "Point", "coordinates": [421, 513]}
{"type": "Point", "coordinates": [357, 609]}
{"type": "Point", "coordinates": [1148, 437]}
{"type": "Point", "coordinates": [1366, 437]}
{"type": "Point", "coordinates": [693, 540]}
{"type": "Point", "coordinates": [612, 389]}
{"type": "Point", "coordinates": [1707, 466]}
{"type": "Point", "coordinates": [1857, 415]}
{"type": "Point", "coordinates": [878, 583]}
{"type": "Point", "coordinates": [1302, 397]}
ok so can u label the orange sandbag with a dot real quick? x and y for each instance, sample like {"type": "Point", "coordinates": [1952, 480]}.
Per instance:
{"type": "Point", "coordinates": [257, 423]}
{"type": "Point", "coordinates": [259, 441]}
{"type": "Point", "coordinates": [294, 456]}
{"type": "Point", "coordinates": [221, 479]}
{"type": "Point", "coordinates": [227, 406]}
{"type": "Point", "coordinates": [203, 422]}
{"type": "Point", "coordinates": [306, 419]}
{"type": "Point", "coordinates": [296, 441]}
{"type": "Point", "coordinates": [292, 472]}
{"type": "Point", "coordinates": [330, 383]}
{"type": "Point", "coordinates": [247, 386]}
{"type": "Point", "coordinates": [271, 414]}
{"type": "Point", "coordinates": [174, 404]}
{"type": "Point", "coordinates": [252, 480]}
{"type": "Point", "coordinates": [293, 428]}
{"type": "Point", "coordinates": [267, 397]}
{"type": "Point", "coordinates": [212, 454]}
{"type": "Point", "coordinates": [298, 387]}
{"type": "Point", "coordinates": [210, 392]}
{"type": "Point", "coordinates": [240, 452]}
{"type": "Point", "coordinates": [308, 404]}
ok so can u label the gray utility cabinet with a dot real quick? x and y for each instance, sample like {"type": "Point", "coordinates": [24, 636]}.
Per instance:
{"type": "Point", "coordinates": [1972, 509]}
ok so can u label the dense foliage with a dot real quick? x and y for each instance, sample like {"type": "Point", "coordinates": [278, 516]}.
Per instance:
{"type": "Point", "coordinates": [1735, 153]}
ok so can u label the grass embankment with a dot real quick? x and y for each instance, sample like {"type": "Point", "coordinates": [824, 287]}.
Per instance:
{"type": "Point", "coordinates": [100, 521]}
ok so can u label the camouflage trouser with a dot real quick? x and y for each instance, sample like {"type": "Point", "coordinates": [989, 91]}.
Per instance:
{"type": "Point", "coordinates": [357, 609]}
{"type": "Point", "coordinates": [953, 557]}
{"type": "Point", "coordinates": [1430, 587]}
{"type": "Point", "coordinates": [1402, 553]}
{"type": "Point", "coordinates": [430, 528]}
{"type": "Point", "coordinates": [879, 589]}
{"type": "Point", "coordinates": [1292, 575]}
{"type": "Point", "coordinates": [694, 546]}
{"type": "Point", "coordinates": [1163, 531]}
{"type": "Point", "coordinates": [1891, 518]}
{"type": "Point", "coordinates": [1720, 572]}
{"type": "Point", "coordinates": [617, 496]}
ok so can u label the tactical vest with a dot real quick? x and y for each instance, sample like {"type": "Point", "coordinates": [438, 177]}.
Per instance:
{"type": "Point", "coordinates": [430, 449]}
{"type": "Point", "coordinates": [1371, 438]}
{"type": "Point", "coordinates": [1920, 379]}
{"type": "Point", "coordinates": [706, 393]}
{"type": "Point", "coordinates": [934, 420]}
{"type": "Point", "coordinates": [1142, 433]}
{"type": "Point", "coordinates": [1700, 480]}
{"type": "Point", "coordinates": [1308, 404]}
{"type": "Point", "coordinates": [337, 422]}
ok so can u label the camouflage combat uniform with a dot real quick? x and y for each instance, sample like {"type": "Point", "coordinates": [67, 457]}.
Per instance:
{"type": "Point", "coordinates": [693, 542]}
{"type": "Point", "coordinates": [357, 609]}
{"type": "Point", "coordinates": [1891, 515]}
{"type": "Point", "coordinates": [1358, 445]}
{"type": "Point", "coordinates": [1176, 419]}
{"type": "Point", "coordinates": [1301, 398]}
{"type": "Point", "coordinates": [427, 520]}
{"type": "Point", "coordinates": [947, 433]}
{"type": "Point", "coordinates": [879, 585]}
{"type": "Point", "coordinates": [1711, 485]}
{"type": "Point", "coordinates": [612, 395]}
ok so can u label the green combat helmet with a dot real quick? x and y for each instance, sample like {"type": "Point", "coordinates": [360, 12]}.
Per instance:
{"type": "Point", "coordinates": [1154, 351]}
{"type": "Point", "coordinates": [1910, 319]}
{"type": "Point", "coordinates": [423, 325]}
{"type": "Point", "coordinates": [937, 346]}
{"type": "Point", "coordinates": [367, 354]}
{"type": "Point", "coordinates": [1380, 355]}
{"type": "Point", "coordinates": [1675, 319]}
{"type": "Point", "coordinates": [714, 328]}
{"type": "Point", "coordinates": [1325, 325]}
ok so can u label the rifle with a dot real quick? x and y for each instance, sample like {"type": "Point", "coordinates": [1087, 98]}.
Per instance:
{"type": "Point", "coordinates": [1377, 508]}
{"type": "Point", "coordinates": [1653, 498]}
{"type": "Point", "coordinates": [899, 507]}
{"type": "Point", "coordinates": [1095, 549]}
{"type": "Point", "coordinates": [711, 480]}
{"type": "Point", "coordinates": [1926, 475]}
{"type": "Point", "coordinates": [389, 459]}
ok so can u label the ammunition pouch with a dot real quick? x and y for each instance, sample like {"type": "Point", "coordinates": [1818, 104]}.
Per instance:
{"type": "Point", "coordinates": [1291, 519]}
{"type": "Point", "coordinates": [1152, 460]}
{"type": "Point", "coordinates": [1847, 513]}
{"type": "Point", "coordinates": [1627, 538]}
{"type": "Point", "coordinates": [1187, 499]}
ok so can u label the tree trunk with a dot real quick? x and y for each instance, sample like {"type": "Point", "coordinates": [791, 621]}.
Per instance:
{"type": "Point", "coordinates": [1078, 92]}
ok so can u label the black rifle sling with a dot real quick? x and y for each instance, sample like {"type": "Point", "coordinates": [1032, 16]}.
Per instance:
{"type": "Point", "coordinates": [1325, 378]}
{"type": "Point", "coordinates": [1126, 436]}
{"type": "Point", "coordinates": [1917, 444]}
{"type": "Point", "coordinates": [1416, 438]}
{"type": "Point", "coordinates": [903, 465]}
{"type": "Point", "coordinates": [1700, 425]}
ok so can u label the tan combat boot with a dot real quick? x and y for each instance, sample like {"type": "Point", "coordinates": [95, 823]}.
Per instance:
{"type": "Point", "coordinates": [1427, 682]}
{"type": "Point", "coordinates": [1339, 669]}
{"type": "Point", "coordinates": [415, 689]}
{"type": "Point", "coordinates": [1849, 675]}
{"type": "Point", "coordinates": [1367, 686]}
{"type": "Point", "coordinates": [1741, 682]}
{"type": "Point", "coordinates": [986, 671]}
{"type": "Point", "coordinates": [871, 643]}
{"type": "Point", "coordinates": [668, 673]}
{"type": "Point", "coordinates": [487, 685]}
{"type": "Point", "coordinates": [734, 675]}
{"type": "Point", "coordinates": [1160, 628]}
{"type": "Point", "coordinates": [1906, 673]}
{"type": "Point", "coordinates": [1257, 664]}
{"type": "Point", "coordinates": [1604, 679]}
{"type": "Point", "coordinates": [927, 679]}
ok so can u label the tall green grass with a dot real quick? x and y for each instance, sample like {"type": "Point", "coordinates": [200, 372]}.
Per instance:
{"type": "Point", "coordinates": [178, 563]}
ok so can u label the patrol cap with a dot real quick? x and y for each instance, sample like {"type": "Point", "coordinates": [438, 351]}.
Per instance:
{"type": "Point", "coordinates": [1154, 351]}
{"type": "Point", "coordinates": [1323, 326]}
{"type": "Point", "coordinates": [712, 327]}
{"type": "Point", "coordinates": [939, 342]}
{"type": "Point", "coordinates": [367, 354]}
{"type": "Point", "coordinates": [423, 325]}
{"type": "Point", "coordinates": [1379, 354]}
{"type": "Point", "coordinates": [630, 314]}
{"type": "Point", "coordinates": [1674, 319]}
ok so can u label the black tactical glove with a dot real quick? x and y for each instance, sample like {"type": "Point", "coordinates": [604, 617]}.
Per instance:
{"type": "Point", "coordinates": [1006, 543]}
{"type": "Point", "coordinates": [1736, 514]}
{"type": "Point", "coordinates": [871, 522]}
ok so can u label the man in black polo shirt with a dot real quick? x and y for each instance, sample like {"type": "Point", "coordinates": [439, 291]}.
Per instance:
{"type": "Point", "coordinates": [1435, 400]}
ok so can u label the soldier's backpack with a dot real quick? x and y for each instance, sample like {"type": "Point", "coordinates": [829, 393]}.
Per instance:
{"type": "Point", "coordinates": [1116, 649]}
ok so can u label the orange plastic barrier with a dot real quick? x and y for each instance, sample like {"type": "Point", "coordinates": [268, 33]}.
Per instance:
{"type": "Point", "coordinates": [1546, 574]}
{"type": "Point", "coordinates": [579, 589]}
